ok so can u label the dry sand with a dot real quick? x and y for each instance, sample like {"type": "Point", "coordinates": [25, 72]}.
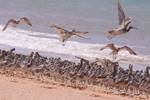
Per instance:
{"type": "Point", "coordinates": [24, 89]}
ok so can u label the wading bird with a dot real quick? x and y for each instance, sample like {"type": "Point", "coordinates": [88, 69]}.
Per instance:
{"type": "Point", "coordinates": [115, 50]}
{"type": "Point", "coordinates": [14, 22]}
{"type": "Point", "coordinates": [65, 34]}
{"type": "Point", "coordinates": [124, 24]}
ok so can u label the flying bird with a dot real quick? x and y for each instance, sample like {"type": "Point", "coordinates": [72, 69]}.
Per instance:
{"type": "Point", "coordinates": [115, 50]}
{"type": "Point", "coordinates": [65, 34]}
{"type": "Point", "coordinates": [124, 24]}
{"type": "Point", "coordinates": [14, 22]}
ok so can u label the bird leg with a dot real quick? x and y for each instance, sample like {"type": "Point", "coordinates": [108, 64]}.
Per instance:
{"type": "Point", "coordinates": [114, 55]}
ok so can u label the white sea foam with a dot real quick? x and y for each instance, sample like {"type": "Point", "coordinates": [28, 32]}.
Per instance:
{"type": "Point", "coordinates": [50, 43]}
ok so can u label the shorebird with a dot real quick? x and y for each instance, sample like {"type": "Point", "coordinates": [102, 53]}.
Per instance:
{"type": "Point", "coordinates": [115, 50]}
{"type": "Point", "coordinates": [124, 24]}
{"type": "Point", "coordinates": [14, 22]}
{"type": "Point", "coordinates": [65, 34]}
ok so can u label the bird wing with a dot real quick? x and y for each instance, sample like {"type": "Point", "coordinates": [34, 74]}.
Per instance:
{"type": "Point", "coordinates": [127, 24]}
{"type": "Point", "coordinates": [128, 19]}
{"type": "Point", "coordinates": [11, 20]}
{"type": "Point", "coordinates": [108, 46]}
{"type": "Point", "coordinates": [78, 32]}
{"type": "Point", "coordinates": [26, 20]}
{"type": "Point", "coordinates": [128, 49]}
{"type": "Point", "coordinates": [120, 27]}
{"type": "Point", "coordinates": [59, 28]}
{"type": "Point", "coordinates": [121, 13]}
{"type": "Point", "coordinates": [78, 35]}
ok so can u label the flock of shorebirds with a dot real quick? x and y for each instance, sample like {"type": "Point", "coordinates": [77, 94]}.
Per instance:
{"type": "Point", "coordinates": [99, 73]}
{"type": "Point", "coordinates": [123, 28]}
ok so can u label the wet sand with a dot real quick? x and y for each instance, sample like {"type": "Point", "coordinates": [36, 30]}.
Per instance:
{"type": "Point", "coordinates": [24, 89]}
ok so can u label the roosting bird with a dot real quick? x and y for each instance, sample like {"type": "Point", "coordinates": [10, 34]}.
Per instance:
{"type": "Point", "coordinates": [115, 50]}
{"type": "Point", "coordinates": [65, 34]}
{"type": "Point", "coordinates": [14, 22]}
{"type": "Point", "coordinates": [124, 24]}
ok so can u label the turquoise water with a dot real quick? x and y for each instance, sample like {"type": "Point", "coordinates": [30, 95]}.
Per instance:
{"type": "Point", "coordinates": [95, 16]}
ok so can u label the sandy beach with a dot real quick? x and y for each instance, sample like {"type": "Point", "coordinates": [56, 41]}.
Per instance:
{"type": "Point", "coordinates": [13, 88]}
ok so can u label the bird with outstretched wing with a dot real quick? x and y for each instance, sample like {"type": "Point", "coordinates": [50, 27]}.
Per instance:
{"type": "Point", "coordinates": [65, 34]}
{"type": "Point", "coordinates": [14, 23]}
{"type": "Point", "coordinates": [128, 49]}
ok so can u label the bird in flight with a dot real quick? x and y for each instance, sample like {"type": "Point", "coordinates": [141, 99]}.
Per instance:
{"type": "Point", "coordinates": [66, 34]}
{"type": "Point", "coordinates": [124, 23]}
{"type": "Point", "coordinates": [115, 50]}
{"type": "Point", "coordinates": [14, 22]}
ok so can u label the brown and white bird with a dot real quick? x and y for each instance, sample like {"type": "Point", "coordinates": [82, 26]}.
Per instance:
{"type": "Point", "coordinates": [14, 22]}
{"type": "Point", "coordinates": [115, 50]}
{"type": "Point", "coordinates": [124, 24]}
{"type": "Point", "coordinates": [65, 34]}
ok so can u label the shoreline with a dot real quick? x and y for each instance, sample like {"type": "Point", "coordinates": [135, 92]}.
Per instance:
{"type": "Point", "coordinates": [83, 75]}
